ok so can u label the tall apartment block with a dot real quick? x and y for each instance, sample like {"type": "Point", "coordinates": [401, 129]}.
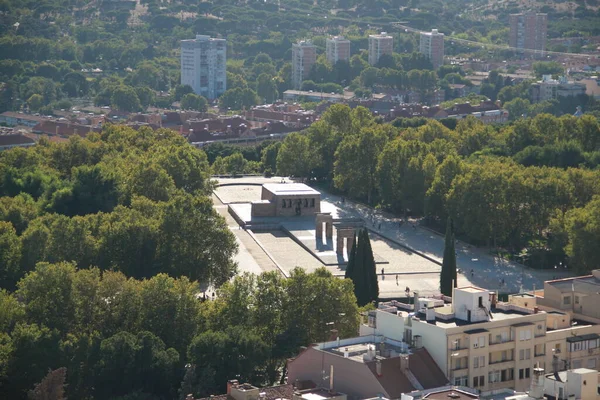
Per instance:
{"type": "Point", "coordinates": [432, 45]}
{"type": "Point", "coordinates": [337, 48]}
{"type": "Point", "coordinates": [528, 31]}
{"type": "Point", "coordinates": [379, 45]}
{"type": "Point", "coordinates": [203, 62]}
{"type": "Point", "coordinates": [304, 55]}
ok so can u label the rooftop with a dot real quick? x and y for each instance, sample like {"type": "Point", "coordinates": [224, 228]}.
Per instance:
{"type": "Point", "coordinates": [282, 189]}
{"type": "Point", "coordinates": [317, 394]}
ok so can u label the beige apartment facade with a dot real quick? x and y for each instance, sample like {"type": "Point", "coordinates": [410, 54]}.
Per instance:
{"type": "Point", "coordinates": [304, 56]}
{"type": "Point", "coordinates": [490, 345]}
{"type": "Point", "coordinates": [337, 48]}
{"type": "Point", "coordinates": [379, 45]}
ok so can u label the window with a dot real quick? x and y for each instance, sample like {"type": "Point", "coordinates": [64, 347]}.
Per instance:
{"type": "Point", "coordinates": [283, 203]}
{"type": "Point", "coordinates": [481, 341]}
{"type": "Point", "coordinates": [460, 381]}
{"type": "Point", "coordinates": [476, 381]}
{"type": "Point", "coordinates": [521, 373]}
{"type": "Point", "coordinates": [567, 300]}
{"type": "Point", "coordinates": [494, 376]}
{"type": "Point", "coordinates": [482, 381]}
{"type": "Point", "coordinates": [576, 364]}
{"type": "Point", "coordinates": [479, 362]}
{"type": "Point", "coordinates": [591, 363]}
{"type": "Point", "coordinates": [525, 335]}
{"type": "Point", "coordinates": [527, 354]}
{"type": "Point", "coordinates": [527, 372]}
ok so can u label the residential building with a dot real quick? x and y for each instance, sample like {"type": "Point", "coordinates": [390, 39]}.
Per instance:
{"type": "Point", "coordinates": [432, 46]}
{"type": "Point", "coordinates": [367, 366]}
{"type": "Point", "coordinates": [528, 31]}
{"type": "Point", "coordinates": [548, 89]}
{"type": "Point", "coordinates": [478, 341]}
{"type": "Point", "coordinates": [379, 45]}
{"type": "Point", "coordinates": [12, 118]}
{"type": "Point", "coordinates": [203, 62]}
{"type": "Point", "coordinates": [294, 95]}
{"type": "Point", "coordinates": [15, 140]}
{"type": "Point", "coordinates": [576, 384]}
{"type": "Point", "coordinates": [337, 48]}
{"type": "Point", "coordinates": [443, 393]}
{"type": "Point", "coordinates": [304, 55]}
{"type": "Point", "coordinates": [276, 113]}
{"type": "Point", "coordinates": [245, 391]}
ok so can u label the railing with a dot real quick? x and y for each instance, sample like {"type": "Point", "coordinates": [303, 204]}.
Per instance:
{"type": "Point", "coordinates": [501, 361]}
{"type": "Point", "coordinates": [501, 342]}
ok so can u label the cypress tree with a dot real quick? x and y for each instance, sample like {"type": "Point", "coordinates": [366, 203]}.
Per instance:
{"type": "Point", "coordinates": [448, 273]}
{"type": "Point", "coordinates": [369, 268]}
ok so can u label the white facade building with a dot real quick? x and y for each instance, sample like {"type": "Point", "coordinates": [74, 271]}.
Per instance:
{"type": "Point", "coordinates": [203, 62]}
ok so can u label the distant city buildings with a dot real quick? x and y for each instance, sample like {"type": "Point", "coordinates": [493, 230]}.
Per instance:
{"type": "Point", "coordinates": [432, 46]}
{"type": "Point", "coordinates": [548, 89]}
{"type": "Point", "coordinates": [337, 48]}
{"type": "Point", "coordinates": [304, 55]}
{"type": "Point", "coordinates": [203, 62]}
{"type": "Point", "coordinates": [528, 31]}
{"type": "Point", "coordinates": [379, 45]}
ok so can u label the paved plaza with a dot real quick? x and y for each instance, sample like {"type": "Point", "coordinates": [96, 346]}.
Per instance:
{"type": "Point", "coordinates": [413, 254]}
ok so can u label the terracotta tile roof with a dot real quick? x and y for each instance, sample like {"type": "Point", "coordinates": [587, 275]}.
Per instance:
{"type": "Point", "coordinates": [425, 369]}
{"type": "Point", "coordinates": [392, 378]}
{"type": "Point", "coordinates": [15, 139]}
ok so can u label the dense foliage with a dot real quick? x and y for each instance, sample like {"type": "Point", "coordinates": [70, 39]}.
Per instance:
{"type": "Point", "coordinates": [135, 202]}
{"type": "Point", "coordinates": [150, 339]}
{"type": "Point", "coordinates": [56, 53]}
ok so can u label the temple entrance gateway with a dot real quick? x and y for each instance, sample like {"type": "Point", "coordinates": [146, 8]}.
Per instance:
{"type": "Point", "coordinates": [345, 236]}
{"type": "Point", "coordinates": [327, 219]}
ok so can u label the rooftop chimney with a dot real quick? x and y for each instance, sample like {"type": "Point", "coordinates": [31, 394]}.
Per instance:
{"type": "Point", "coordinates": [230, 384]}
{"type": "Point", "coordinates": [378, 367]}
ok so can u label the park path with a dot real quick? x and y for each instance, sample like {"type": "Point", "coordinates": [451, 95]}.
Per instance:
{"type": "Point", "coordinates": [477, 266]}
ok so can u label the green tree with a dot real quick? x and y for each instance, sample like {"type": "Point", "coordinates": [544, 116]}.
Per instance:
{"type": "Point", "coordinates": [235, 164]}
{"type": "Point", "coordinates": [547, 68]}
{"type": "Point", "coordinates": [191, 101]}
{"type": "Point", "coordinates": [356, 162]}
{"type": "Point", "coordinates": [448, 276]}
{"type": "Point", "coordinates": [124, 98]}
{"type": "Point", "coordinates": [146, 96]}
{"type": "Point", "coordinates": [296, 157]}
{"type": "Point", "coordinates": [266, 88]}
{"type": "Point", "coordinates": [361, 270]}
{"type": "Point", "coordinates": [10, 253]}
{"type": "Point", "coordinates": [583, 230]}
{"type": "Point", "coordinates": [35, 102]}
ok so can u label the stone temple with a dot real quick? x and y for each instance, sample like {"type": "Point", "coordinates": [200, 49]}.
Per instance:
{"type": "Point", "coordinates": [287, 200]}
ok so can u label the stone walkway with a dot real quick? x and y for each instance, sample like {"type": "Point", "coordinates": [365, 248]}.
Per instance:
{"type": "Point", "coordinates": [398, 244]}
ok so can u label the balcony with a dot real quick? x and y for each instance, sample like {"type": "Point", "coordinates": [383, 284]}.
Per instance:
{"type": "Point", "coordinates": [504, 360]}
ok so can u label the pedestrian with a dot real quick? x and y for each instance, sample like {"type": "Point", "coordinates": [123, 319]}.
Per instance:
{"type": "Point", "coordinates": [382, 271]}
{"type": "Point", "coordinates": [472, 273]}
{"type": "Point", "coordinates": [379, 226]}
{"type": "Point", "coordinates": [396, 279]}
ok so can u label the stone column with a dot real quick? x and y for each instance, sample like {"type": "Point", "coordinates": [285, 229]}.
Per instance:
{"type": "Point", "coordinates": [339, 248]}
{"type": "Point", "coordinates": [329, 229]}
{"type": "Point", "coordinates": [319, 229]}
